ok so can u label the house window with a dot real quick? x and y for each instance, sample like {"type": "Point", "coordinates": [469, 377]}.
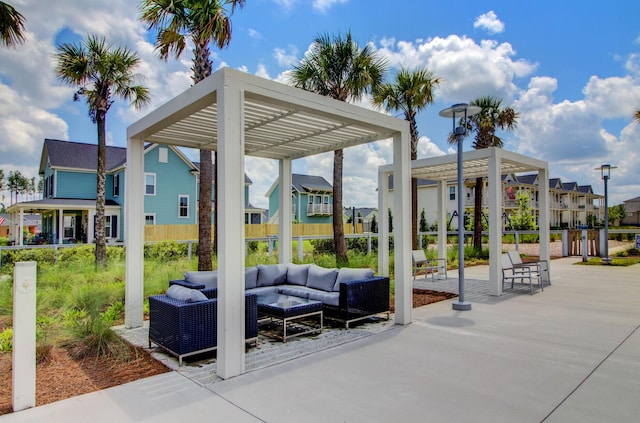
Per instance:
{"type": "Point", "coordinates": [163, 155]}
{"type": "Point", "coordinates": [111, 226]}
{"type": "Point", "coordinates": [69, 226]}
{"type": "Point", "coordinates": [150, 219]}
{"type": "Point", "coordinates": [326, 199]}
{"type": "Point", "coordinates": [183, 206]}
{"type": "Point", "coordinates": [310, 199]}
{"type": "Point", "coordinates": [116, 185]}
{"type": "Point", "coordinates": [150, 183]}
{"type": "Point", "coordinates": [452, 193]}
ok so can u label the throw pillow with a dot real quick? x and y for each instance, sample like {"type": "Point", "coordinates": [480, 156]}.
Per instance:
{"type": "Point", "coordinates": [321, 278]}
{"type": "Point", "coordinates": [297, 274]}
{"type": "Point", "coordinates": [346, 274]}
{"type": "Point", "coordinates": [272, 274]}
{"type": "Point", "coordinates": [187, 295]}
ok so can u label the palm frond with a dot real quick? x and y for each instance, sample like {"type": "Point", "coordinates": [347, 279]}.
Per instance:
{"type": "Point", "coordinates": [11, 25]}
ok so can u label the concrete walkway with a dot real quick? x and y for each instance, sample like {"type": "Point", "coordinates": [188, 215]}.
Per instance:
{"type": "Point", "coordinates": [568, 354]}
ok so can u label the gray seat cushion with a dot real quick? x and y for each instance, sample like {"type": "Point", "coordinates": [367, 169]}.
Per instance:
{"type": "Point", "coordinates": [297, 274]}
{"type": "Point", "coordinates": [187, 295]}
{"type": "Point", "coordinates": [263, 290]}
{"type": "Point", "coordinates": [321, 278]}
{"type": "Point", "coordinates": [272, 274]}
{"type": "Point", "coordinates": [330, 298]}
{"type": "Point", "coordinates": [207, 278]}
{"type": "Point", "coordinates": [296, 291]}
{"type": "Point", "coordinates": [250, 277]}
{"type": "Point", "coordinates": [346, 274]}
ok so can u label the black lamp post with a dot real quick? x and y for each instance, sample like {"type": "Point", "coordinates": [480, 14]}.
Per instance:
{"type": "Point", "coordinates": [460, 111]}
{"type": "Point", "coordinates": [605, 173]}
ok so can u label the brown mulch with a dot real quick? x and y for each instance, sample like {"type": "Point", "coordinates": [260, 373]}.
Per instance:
{"type": "Point", "coordinates": [61, 376]}
{"type": "Point", "coordinates": [423, 297]}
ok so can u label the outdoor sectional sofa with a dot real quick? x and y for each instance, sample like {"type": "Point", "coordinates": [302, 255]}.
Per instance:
{"type": "Point", "coordinates": [347, 294]}
{"type": "Point", "coordinates": [184, 321]}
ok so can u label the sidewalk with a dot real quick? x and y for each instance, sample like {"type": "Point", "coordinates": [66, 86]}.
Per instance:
{"type": "Point", "coordinates": [570, 353]}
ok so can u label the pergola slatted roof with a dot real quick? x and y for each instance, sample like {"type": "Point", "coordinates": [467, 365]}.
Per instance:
{"type": "Point", "coordinates": [291, 125]}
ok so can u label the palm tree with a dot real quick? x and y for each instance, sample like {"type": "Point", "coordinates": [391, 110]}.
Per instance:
{"type": "Point", "coordinates": [490, 118]}
{"type": "Point", "coordinates": [101, 72]}
{"type": "Point", "coordinates": [338, 68]}
{"type": "Point", "coordinates": [11, 25]}
{"type": "Point", "coordinates": [636, 116]}
{"type": "Point", "coordinates": [202, 22]}
{"type": "Point", "coordinates": [410, 93]}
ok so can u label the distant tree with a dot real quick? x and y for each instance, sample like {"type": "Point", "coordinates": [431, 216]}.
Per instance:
{"type": "Point", "coordinates": [424, 227]}
{"type": "Point", "coordinates": [17, 184]}
{"type": "Point", "coordinates": [2, 180]}
{"type": "Point", "coordinates": [410, 93]}
{"type": "Point", "coordinates": [11, 26]}
{"type": "Point", "coordinates": [374, 224]}
{"type": "Point", "coordinates": [101, 72]}
{"type": "Point", "coordinates": [522, 218]}
{"type": "Point", "coordinates": [338, 68]}
{"type": "Point", "coordinates": [617, 213]}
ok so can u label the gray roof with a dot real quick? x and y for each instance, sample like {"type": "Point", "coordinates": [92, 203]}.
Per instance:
{"type": "Point", "coordinates": [310, 183]}
{"type": "Point", "coordinates": [78, 155]}
{"type": "Point", "coordinates": [585, 189]}
{"type": "Point", "coordinates": [29, 219]}
{"type": "Point", "coordinates": [570, 186]}
{"type": "Point", "coordinates": [527, 179]}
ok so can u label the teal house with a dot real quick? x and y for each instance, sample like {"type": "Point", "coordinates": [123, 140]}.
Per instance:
{"type": "Point", "coordinates": [68, 204]}
{"type": "Point", "coordinates": [311, 196]}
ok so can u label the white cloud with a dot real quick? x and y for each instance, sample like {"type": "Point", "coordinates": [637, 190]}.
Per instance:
{"type": "Point", "coordinates": [254, 34]}
{"type": "Point", "coordinates": [323, 6]}
{"type": "Point", "coordinates": [286, 58]}
{"type": "Point", "coordinates": [468, 69]}
{"type": "Point", "coordinates": [489, 22]}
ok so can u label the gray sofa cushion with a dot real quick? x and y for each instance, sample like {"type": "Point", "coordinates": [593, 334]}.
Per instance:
{"type": "Point", "coordinates": [207, 278]}
{"type": "Point", "coordinates": [250, 277]}
{"type": "Point", "coordinates": [263, 290]}
{"type": "Point", "coordinates": [272, 274]}
{"type": "Point", "coordinates": [297, 274]}
{"type": "Point", "coordinates": [296, 291]}
{"type": "Point", "coordinates": [321, 278]}
{"type": "Point", "coordinates": [330, 298]}
{"type": "Point", "coordinates": [187, 295]}
{"type": "Point", "coordinates": [346, 274]}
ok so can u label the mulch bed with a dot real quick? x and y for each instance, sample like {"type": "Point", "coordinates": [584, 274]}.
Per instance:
{"type": "Point", "coordinates": [61, 376]}
{"type": "Point", "coordinates": [423, 297]}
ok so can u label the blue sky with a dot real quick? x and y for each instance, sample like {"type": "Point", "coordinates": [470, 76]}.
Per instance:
{"type": "Point", "coordinates": [571, 69]}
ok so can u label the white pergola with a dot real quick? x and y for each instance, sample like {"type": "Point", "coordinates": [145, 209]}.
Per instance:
{"type": "Point", "coordinates": [488, 162]}
{"type": "Point", "coordinates": [238, 114]}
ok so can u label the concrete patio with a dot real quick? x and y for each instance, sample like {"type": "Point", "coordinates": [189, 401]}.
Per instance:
{"type": "Point", "coordinates": [570, 353]}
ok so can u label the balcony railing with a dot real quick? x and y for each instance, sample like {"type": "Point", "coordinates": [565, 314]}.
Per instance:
{"type": "Point", "coordinates": [323, 209]}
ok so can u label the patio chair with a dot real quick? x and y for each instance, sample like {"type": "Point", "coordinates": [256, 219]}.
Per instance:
{"type": "Point", "coordinates": [421, 262]}
{"type": "Point", "coordinates": [518, 274]}
{"type": "Point", "coordinates": [541, 267]}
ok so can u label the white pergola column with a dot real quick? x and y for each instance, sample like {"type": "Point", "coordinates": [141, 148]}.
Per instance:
{"type": "Point", "coordinates": [21, 227]}
{"type": "Point", "coordinates": [231, 255]}
{"type": "Point", "coordinates": [402, 228]}
{"type": "Point", "coordinates": [442, 219]}
{"type": "Point", "coordinates": [383, 223]}
{"type": "Point", "coordinates": [495, 227]}
{"type": "Point", "coordinates": [134, 234]}
{"type": "Point", "coordinates": [285, 218]}
{"type": "Point", "coordinates": [543, 216]}
{"type": "Point", "coordinates": [60, 225]}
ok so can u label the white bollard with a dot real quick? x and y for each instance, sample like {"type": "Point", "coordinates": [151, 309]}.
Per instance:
{"type": "Point", "coordinates": [24, 335]}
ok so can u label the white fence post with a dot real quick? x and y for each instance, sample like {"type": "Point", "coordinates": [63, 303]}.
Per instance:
{"type": "Point", "coordinates": [24, 335]}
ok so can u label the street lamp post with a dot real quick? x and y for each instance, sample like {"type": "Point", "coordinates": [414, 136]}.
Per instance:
{"type": "Point", "coordinates": [605, 173]}
{"type": "Point", "coordinates": [463, 111]}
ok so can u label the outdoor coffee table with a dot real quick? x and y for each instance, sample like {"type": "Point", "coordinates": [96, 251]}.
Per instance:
{"type": "Point", "coordinates": [287, 309]}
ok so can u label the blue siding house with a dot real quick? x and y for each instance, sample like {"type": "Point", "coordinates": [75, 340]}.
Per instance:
{"type": "Point", "coordinates": [312, 198]}
{"type": "Point", "coordinates": [68, 205]}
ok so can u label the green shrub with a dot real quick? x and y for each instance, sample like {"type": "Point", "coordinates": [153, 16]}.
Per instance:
{"type": "Point", "coordinates": [6, 340]}
{"type": "Point", "coordinates": [166, 250]}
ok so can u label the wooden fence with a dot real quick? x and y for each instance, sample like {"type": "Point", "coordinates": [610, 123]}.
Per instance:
{"type": "Point", "coordinates": [154, 233]}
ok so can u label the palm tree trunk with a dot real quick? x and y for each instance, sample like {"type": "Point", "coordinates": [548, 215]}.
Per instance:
{"type": "Point", "coordinates": [101, 242]}
{"type": "Point", "coordinates": [204, 212]}
{"type": "Point", "coordinates": [339, 243]}
{"type": "Point", "coordinates": [477, 215]}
